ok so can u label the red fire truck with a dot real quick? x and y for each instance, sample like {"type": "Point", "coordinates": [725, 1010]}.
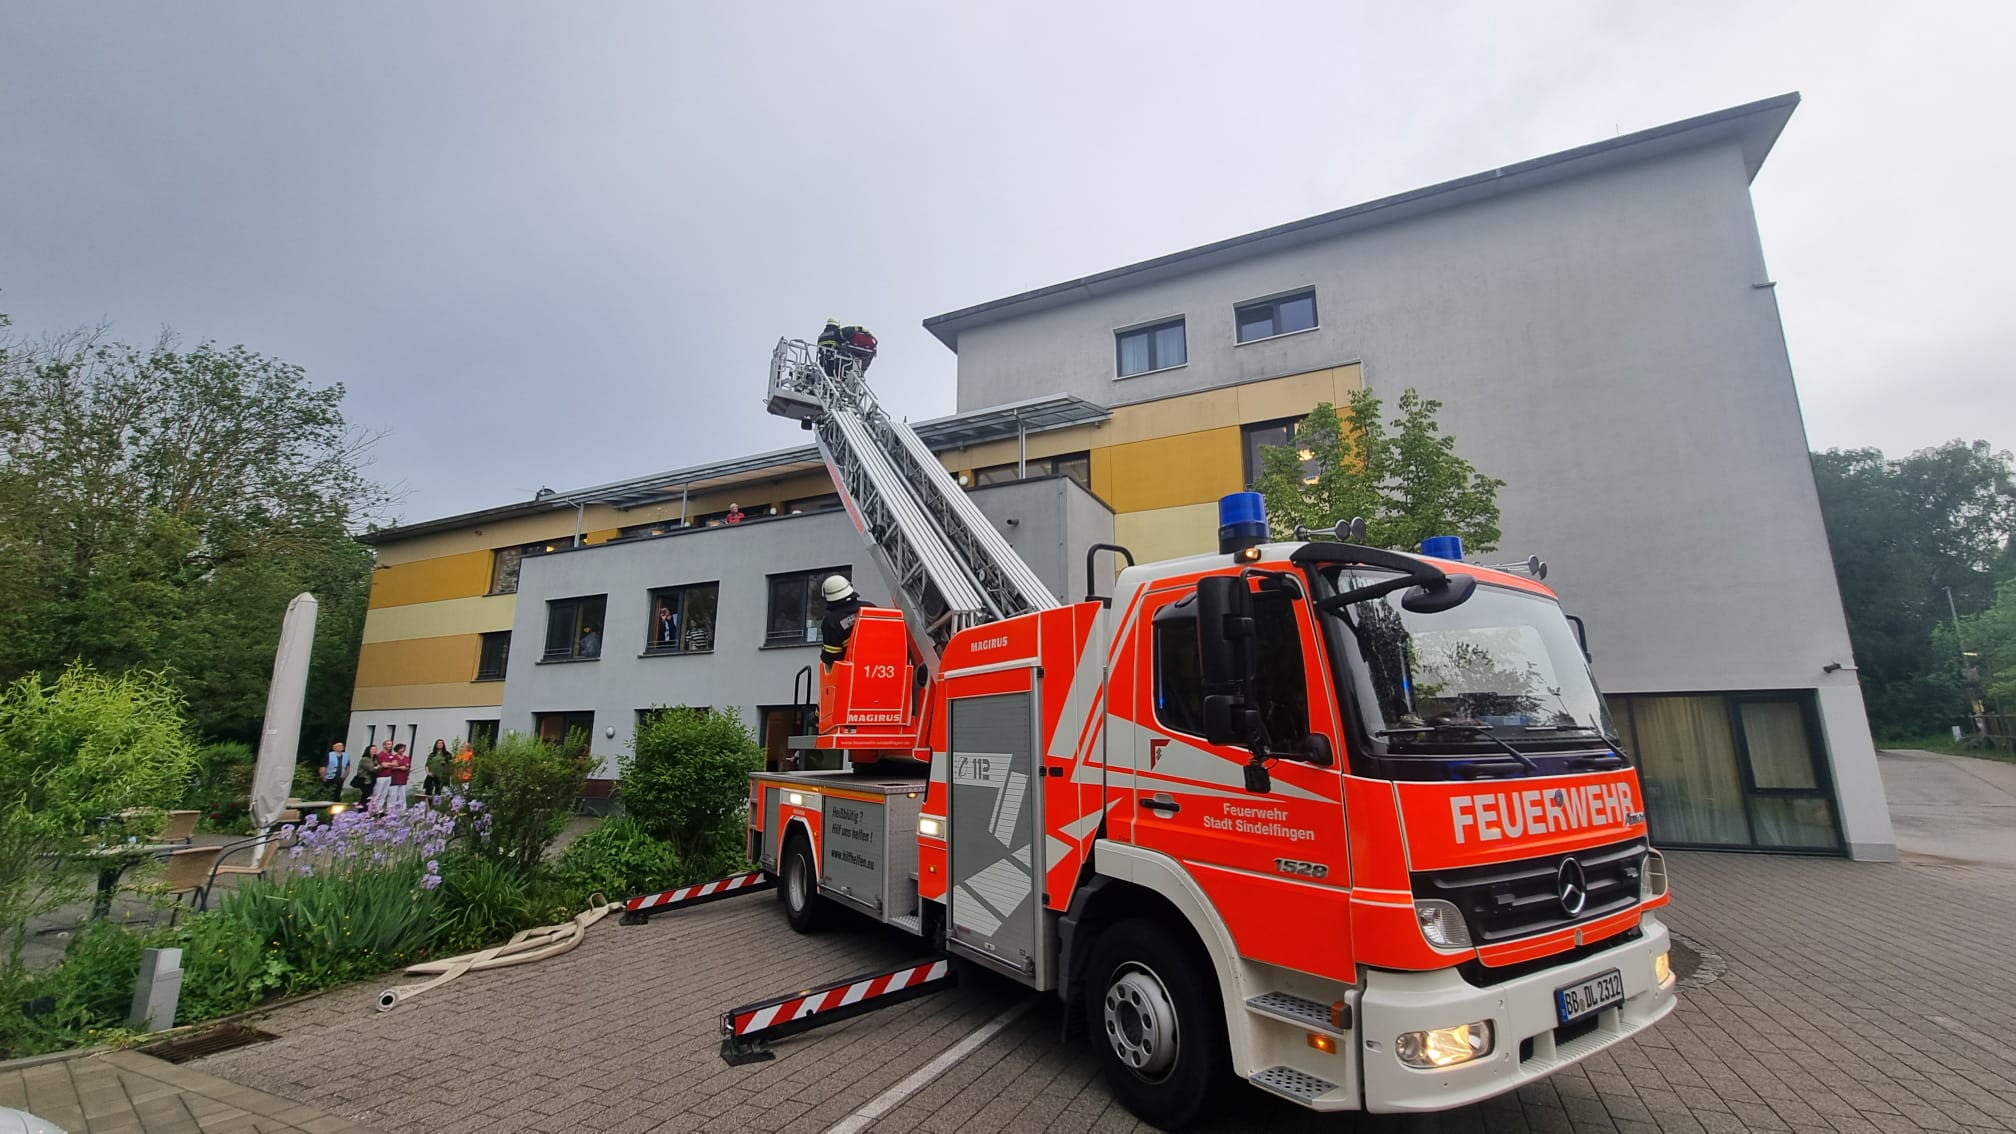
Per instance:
{"type": "Point", "coordinates": [1346, 823]}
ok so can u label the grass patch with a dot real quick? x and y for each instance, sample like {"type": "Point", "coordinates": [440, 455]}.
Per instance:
{"type": "Point", "coordinates": [1943, 743]}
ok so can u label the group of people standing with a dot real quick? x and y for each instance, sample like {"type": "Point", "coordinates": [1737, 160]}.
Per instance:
{"type": "Point", "coordinates": [382, 773]}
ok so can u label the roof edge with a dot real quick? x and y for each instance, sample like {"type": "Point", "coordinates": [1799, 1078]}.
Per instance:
{"type": "Point", "coordinates": [1770, 116]}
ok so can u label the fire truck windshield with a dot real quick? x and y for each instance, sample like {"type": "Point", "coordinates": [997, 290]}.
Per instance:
{"type": "Point", "coordinates": [1504, 663]}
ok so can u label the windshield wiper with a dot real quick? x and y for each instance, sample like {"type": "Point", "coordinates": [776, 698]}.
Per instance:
{"type": "Point", "coordinates": [1615, 752]}
{"type": "Point", "coordinates": [1476, 730]}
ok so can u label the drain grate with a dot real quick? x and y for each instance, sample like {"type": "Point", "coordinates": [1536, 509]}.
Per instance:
{"type": "Point", "coordinates": [209, 1043]}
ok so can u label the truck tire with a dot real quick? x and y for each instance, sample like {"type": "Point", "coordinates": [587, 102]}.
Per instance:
{"type": "Point", "coordinates": [1152, 1009]}
{"type": "Point", "coordinates": [798, 886]}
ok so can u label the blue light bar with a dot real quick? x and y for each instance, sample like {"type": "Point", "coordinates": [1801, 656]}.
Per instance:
{"type": "Point", "coordinates": [1242, 521]}
{"type": "Point", "coordinates": [1443, 547]}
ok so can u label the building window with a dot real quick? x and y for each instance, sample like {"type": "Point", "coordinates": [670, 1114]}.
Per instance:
{"type": "Point", "coordinates": [1077, 466]}
{"type": "Point", "coordinates": [571, 728]}
{"type": "Point", "coordinates": [645, 531]}
{"type": "Point", "coordinates": [681, 619]}
{"type": "Point", "coordinates": [494, 656]}
{"type": "Point", "coordinates": [1269, 317]}
{"type": "Point", "coordinates": [1273, 435]}
{"type": "Point", "coordinates": [827, 503]}
{"type": "Point", "coordinates": [483, 735]}
{"type": "Point", "coordinates": [648, 717]}
{"type": "Point", "coordinates": [506, 561]}
{"type": "Point", "coordinates": [796, 606]}
{"type": "Point", "coordinates": [1730, 769]}
{"type": "Point", "coordinates": [574, 628]}
{"type": "Point", "coordinates": [1151, 348]}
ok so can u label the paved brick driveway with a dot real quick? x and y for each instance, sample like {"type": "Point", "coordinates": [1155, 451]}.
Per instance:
{"type": "Point", "coordinates": [1849, 1002]}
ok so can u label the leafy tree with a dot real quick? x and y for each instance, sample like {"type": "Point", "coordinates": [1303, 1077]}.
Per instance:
{"type": "Point", "coordinates": [1405, 479]}
{"type": "Point", "coordinates": [72, 751]}
{"type": "Point", "coordinates": [1902, 532]}
{"type": "Point", "coordinates": [1992, 635]}
{"type": "Point", "coordinates": [159, 507]}
{"type": "Point", "coordinates": [686, 781]}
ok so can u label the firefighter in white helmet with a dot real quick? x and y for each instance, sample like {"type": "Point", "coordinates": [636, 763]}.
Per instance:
{"type": "Point", "coordinates": [842, 606]}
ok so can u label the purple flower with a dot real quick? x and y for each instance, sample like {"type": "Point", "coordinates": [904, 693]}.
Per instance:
{"type": "Point", "coordinates": [430, 882]}
{"type": "Point", "coordinates": [433, 867]}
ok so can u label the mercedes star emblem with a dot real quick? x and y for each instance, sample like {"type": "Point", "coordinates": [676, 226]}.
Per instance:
{"type": "Point", "coordinates": [1572, 887]}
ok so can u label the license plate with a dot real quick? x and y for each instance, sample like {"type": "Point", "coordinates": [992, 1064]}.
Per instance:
{"type": "Point", "coordinates": [1583, 998]}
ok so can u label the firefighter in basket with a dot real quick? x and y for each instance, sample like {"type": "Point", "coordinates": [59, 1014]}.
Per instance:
{"type": "Point", "coordinates": [843, 605]}
{"type": "Point", "coordinates": [838, 343]}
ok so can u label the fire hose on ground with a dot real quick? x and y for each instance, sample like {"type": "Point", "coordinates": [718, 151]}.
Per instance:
{"type": "Point", "coordinates": [525, 947]}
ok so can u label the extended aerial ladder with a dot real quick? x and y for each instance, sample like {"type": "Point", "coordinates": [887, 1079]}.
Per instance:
{"type": "Point", "coordinates": [947, 568]}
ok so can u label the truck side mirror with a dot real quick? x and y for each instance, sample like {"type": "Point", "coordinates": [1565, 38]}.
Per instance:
{"type": "Point", "coordinates": [1225, 657]}
{"type": "Point", "coordinates": [1434, 598]}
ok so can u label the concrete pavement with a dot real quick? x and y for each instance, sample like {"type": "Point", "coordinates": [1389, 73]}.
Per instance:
{"type": "Point", "coordinates": [1951, 808]}
{"type": "Point", "coordinates": [1856, 997]}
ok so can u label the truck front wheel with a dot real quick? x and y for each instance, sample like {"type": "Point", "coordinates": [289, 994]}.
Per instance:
{"type": "Point", "coordinates": [1151, 1006]}
{"type": "Point", "coordinates": [798, 886]}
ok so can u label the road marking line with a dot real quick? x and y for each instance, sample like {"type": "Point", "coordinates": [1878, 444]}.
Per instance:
{"type": "Point", "coordinates": [893, 1097]}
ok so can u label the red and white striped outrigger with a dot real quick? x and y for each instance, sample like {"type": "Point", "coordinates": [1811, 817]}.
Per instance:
{"type": "Point", "coordinates": [745, 1031]}
{"type": "Point", "coordinates": [638, 910]}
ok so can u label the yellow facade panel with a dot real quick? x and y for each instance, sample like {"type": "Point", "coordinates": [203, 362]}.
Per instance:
{"type": "Point", "coordinates": [431, 580]}
{"type": "Point", "coordinates": [1193, 468]}
{"type": "Point", "coordinates": [438, 619]}
{"type": "Point", "coordinates": [418, 661]}
{"type": "Point", "coordinates": [1345, 380]}
{"type": "Point", "coordinates": [1168, 533]}
{"type": "Point", "coordinates": [1168, 417]}
{"type": "Point", "coordinates": [452, 694]}
{"type": "Point", "coordinates": [1102, 473]}
{"type": "Point", "coordinates": [1285, 397]}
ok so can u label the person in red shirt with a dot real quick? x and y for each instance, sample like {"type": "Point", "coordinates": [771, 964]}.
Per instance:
{"type": "Point", "coordinates": [393, 768]}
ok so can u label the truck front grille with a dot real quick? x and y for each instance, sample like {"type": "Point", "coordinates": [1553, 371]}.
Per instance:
{"type": "Point", "coordinates": [1519, 899]}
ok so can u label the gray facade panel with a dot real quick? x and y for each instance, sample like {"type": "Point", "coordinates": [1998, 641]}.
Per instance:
{"type": "Point", "coordinates": [1054, 521]}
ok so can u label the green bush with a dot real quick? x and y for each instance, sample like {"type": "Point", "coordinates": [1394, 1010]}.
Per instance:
{"type": "Point", "coordinates": [618, 859]}
{"type": "Point", "coordinates": [686, 781]}
{"type": "Point", "coordinates": [89, 993]}
{"type": "Point", "coordinates": [230, 961]}
{"type": "Point", "coordinates": [220, 784]}
{"type": "Point", "coordinates": [73, 751]}
{"type": "Point", "coordinates": [482, 901]}
{"type": "Point", "coordinates": [528, 788]}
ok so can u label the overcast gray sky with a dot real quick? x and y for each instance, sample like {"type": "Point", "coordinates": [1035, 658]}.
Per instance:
{"type": "Point", "coordinates": [552, 244]}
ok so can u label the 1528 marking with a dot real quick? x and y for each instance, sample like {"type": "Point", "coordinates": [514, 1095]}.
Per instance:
{"type": "Point", "coordinates": [1301, 869]}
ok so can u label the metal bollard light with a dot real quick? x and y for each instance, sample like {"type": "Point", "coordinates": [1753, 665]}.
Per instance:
{"type": "Point", "coordinates": [156, 990]}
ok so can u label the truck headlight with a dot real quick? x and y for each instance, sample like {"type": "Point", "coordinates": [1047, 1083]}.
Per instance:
{"type": "Point", "coordinates": [1662, 969]}
{"type": "Point", "coordinates": [1442, 924]}
{"type": "Point", "coordinates": [1444, 1047]}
